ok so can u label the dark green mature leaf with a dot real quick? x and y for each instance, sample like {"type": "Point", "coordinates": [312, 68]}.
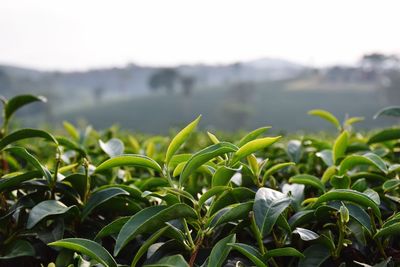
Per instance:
{"type": "Point", "coordinates": [44, 209]}
{"type": "Point", "coordinates": [283, 252]}
{"type": "Point", "coordinates": [314, 256]}
{"type": "Point", "coordinates": [385, 135]}
{"type": "Point", "coordinates": [236, 195]}
{"type": "Point", "coordinates": [340, 182]}
{"type": "Point", "coordinates": [391, 230]}
{"type": "Point", "coordinates": [18, 248]}
{"type": "Point", "coordinates": [349, 195]}
{"type": "Point", "coordinates": [252, 135]}
{"type": "Point", "coordinates": [113, 147]}
{"type": "Point", "coordinates": [340, 145]}
{"type": "Point", "coordinates": [9, 182]}
{"type": "Point", "coordinates": [149, 219]}
{"type": "Point", "coordinates": [100, 197]}
{"type": "Point", "coordinates": [212, 192]}
{"type": "Point", "coordinates": [112, 228]}
{"type": "Point", "coordinates": [147, 244]}
{"type": "Point", "coordinates": [356, 213]}
{"type": "Point", "coordinates": [19, 101]}
{"type": "Point", "coordinates": [307, 179]}
{"type": "Point", "coordinates": [391, 184]}
{"type": "Point", "coordinates": [129, 160]}
{"type": "Point", "coordinates": [268, 205]}
{"type": "Point", "coordinates": [231, 213]}
{"type": "Point", "coordinates": [368, 159]}
{"type": "Point", "coordinates": [326, 115]}
{"type": "Point", "coordinates": [87, 247]}
{"type": "Point", "coordinates": [220, 251]}
{"type": "Point", "coordinates": [301, 217]}
{"type": "Point", "coordinates": [203, 156]}
{"type": "Point", "coordinates": [251, 253]}
{"type": "Point", "coordinates": [253, 146]}
{"type": "Point", "coordinates": [25, 134]}
{"type": "Point", "coordinates": [180, 138]}
{"type": "Point", "coordinates": [222, 176]}
{"type": "Point", "coordinates": [170, 261]}
{"type": "Point", "coordinates": [393, 111]}
{"type": "Point", "coordinates": [23, 153]}
{"type": "Point", "coordinates": [67, 143]}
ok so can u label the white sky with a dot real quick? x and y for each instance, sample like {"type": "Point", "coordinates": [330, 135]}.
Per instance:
{"type": "Point", "coordinates": [79, 34]}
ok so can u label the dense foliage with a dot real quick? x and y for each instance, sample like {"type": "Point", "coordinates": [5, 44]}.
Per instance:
{"type": "Point", "coordinates": [115, 199]}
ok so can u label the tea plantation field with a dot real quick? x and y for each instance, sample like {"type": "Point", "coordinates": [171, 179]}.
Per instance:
{"type": "Point", "coordinates": [85, 197]}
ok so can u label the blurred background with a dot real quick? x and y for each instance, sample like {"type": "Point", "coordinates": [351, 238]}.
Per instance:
{"type": "Point", "coordinates": [152, 65]}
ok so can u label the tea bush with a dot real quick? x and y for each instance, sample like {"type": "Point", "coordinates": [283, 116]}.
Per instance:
{"type": "Point", "coordinates": [113, 199]}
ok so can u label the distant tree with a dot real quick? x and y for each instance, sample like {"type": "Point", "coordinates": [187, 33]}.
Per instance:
{"type": "Point", "coordinates": [187, 83]}
{"type": "Point", "coordinates": [164, 78]}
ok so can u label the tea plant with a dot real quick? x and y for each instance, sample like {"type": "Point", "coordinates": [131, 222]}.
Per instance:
{"type": "Point", "coordinates": [114, 199]}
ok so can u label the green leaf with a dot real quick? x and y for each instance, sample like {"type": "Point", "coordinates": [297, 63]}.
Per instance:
{"type": "Point", "coordinates": [268, 205]}
{"type": "Point", "coordinates": [283, 252]}
{"type": "Point", "coordinates": [250, 252]}
{"type": "Point", "coordinates": [212, 192]}
{"type": "Point", "coordinates": [25, 134]}
{"type": "Point", "coordinates": [67, 143]}
{"type": "Point", "coordinates": [100, 197]}
{"type": "Point", "coordinates": [368, 159]}
{"type": "Point", "coordinates": [23, 153]}
{"type": "Point", "coordinates": [357, 213]}
{"type": "Point", "coordinates": [340, 182]}
{"type": "Point", "coordinates": [391, 230]}
{"type": "Point", "coordinates": [19, 101]}
{"type": "Point", "coordinates": [326, 115]}
{"type": "Point", "coordinates": [349, 195]}
{"type": "Point", "coordinates": [222, 176]}
{"type": "Point", "coordinates": [149, 219]}
{"type": "Point", "coordinates": [204, 156]}
{"type": "Point", "coordinates": [72, 131]}
{"type": "Point", "coordinates": [384, 136]}
{"type": "Point", "coordinates": [340, 145]}
{"type": "Point", "coordinates": [352, 120]}
{"type": "Point", "coordinates": [18, 248]}
{"type": "Point", "coordinates": [305, 234]}
{"type": "Point", "coordinates": [252, 135]}
{"type": "Point", "coordinates": [13, 181]}
{"type": "Point", "coordinates": [180, 138]}
{"type": "Point", "coordinates": [314, 256]}
{"type": "Point", "coordinates": [391, 184]}
{"type": "Point", "coordinates": [112, 228]}
{"type": "Point", "coordinates": [87, 247]}
{"type": "Point", "coordinates": [307, 179]}
{"type": "Point", "coordinates": [129, 160]}
{"type": "Point", "coordinates": [113, 147]}
{"type": "Point", "coordinates": [44, 209]}
{"type": "Point", "coordinates": [170, 261]}
{"type": "Point", "coordinates": [231, 213]}
{"type": "Point", "coordinates": [220, 251]}
{"type": "Point", "coordinates": [253, 146]}
{"type": "Point", "coordinates": [393, 111]}
{"type": "Point", "coordinates": [142, 250]}
{"type": "Point", "coordinates": [276, 168]}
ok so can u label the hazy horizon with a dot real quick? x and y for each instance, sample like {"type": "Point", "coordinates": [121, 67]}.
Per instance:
{"type": "Point", "coordinates": [79, 35]}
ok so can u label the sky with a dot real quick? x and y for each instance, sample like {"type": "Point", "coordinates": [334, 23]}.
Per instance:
{"type": "Point", "coordinates": [83, 34]}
